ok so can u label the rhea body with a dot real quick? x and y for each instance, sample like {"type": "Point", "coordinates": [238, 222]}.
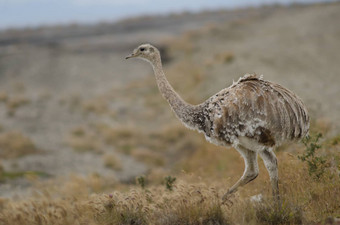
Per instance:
{"type": "Point", "coordinates": [253, 115]}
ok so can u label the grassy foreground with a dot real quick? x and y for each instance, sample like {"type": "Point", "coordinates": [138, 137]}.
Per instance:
{"type": "Point", "coordinates": [202, 62]}
{"type": "Point", "coordinates": [194, 197]}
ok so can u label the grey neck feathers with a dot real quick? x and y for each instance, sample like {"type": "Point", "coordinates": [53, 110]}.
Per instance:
{"type": "Point", "coordinates": [186, 112]}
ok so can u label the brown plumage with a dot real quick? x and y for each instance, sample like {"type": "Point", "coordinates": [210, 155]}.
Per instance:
{"type": "Point", "coordinates": [252, 115]}
{"type": "Point", "coordinates": [256, 109]}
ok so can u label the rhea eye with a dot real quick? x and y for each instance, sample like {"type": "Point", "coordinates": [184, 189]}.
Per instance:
{"type": "Point", "coordinates": [142, 49]}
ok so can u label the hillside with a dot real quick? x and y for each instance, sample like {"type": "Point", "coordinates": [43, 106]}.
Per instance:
{"type": "Point", "coordinates": [78, 121]}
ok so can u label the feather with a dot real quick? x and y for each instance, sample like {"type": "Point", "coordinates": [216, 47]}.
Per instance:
{"type": "Point", "coordinates": [257, 109]}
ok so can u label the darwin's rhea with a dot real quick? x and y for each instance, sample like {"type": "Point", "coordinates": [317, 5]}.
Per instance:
{"type": "Point", "coordinates": [252, 115]}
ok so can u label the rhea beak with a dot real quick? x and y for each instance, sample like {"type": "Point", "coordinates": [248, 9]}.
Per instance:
{"type": "Point", "coordinates": [131, 56]}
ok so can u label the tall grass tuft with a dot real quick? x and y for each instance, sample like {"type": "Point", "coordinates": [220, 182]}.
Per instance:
{"type": "Point", "coordinates": [269, 213]}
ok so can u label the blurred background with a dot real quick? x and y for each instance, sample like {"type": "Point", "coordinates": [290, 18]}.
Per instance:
{"type": "Point", "coordinates": [33, 13]}
{"type": "Point", "coordinates": [72, 107]}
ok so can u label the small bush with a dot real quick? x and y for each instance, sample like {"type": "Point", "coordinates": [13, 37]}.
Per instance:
{"type": "Point", "coordinates": [141, 181]}
{"type": "Point", "coordinates": [112, 162]}
{"type": "Point", "coordinates": [316, 164]}
{"type": "Point", "coordinates": [169, 182]}
{"type": "Point", "coordinates": [15, 144]}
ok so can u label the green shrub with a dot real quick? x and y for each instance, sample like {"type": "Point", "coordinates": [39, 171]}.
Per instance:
{"type": "Point", "coordinates": [169, 182]}
{"type": "Point", "coordinates": [316, 164]}
{"type": "Point", "coordinates": [141, 181]}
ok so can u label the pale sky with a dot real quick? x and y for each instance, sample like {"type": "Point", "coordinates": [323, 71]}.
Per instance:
{"type": "Point", "coordinates": [22, 13]}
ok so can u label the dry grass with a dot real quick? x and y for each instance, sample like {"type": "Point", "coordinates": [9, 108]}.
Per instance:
{"type": "Point", "coordinates": [83, 144]}
{"type": "Point", "coordinates": [266, 212]}
{"type": "Point", "coordinates": [194, 203]}
{"type": "Point", "coordinates": [111, 161]}
{"type": "Point", "coordinates": [15, 144]}
{"type": "Point", "coordinates": [203, 171]}
{"type": "Point", "coordinates": [82, 141]}
{"type": "Point", "coordinates": [149, 157]}
{"type": "Point", "coordinates": [187, 204]}
{"type": "Point", "coordinates": [3, 96]}
{"type": "Point", "coordinates": [225, 57]}
{"type": "Point", "coordinates": [96, 106]}
{"type": "Point", "coordinates": [46, 211]}
{"type": "Point", "coordinates": [155, 148]}
{"type": "Point", "coordinates": [321, 125]}
{"type": "Point", "coordinates": [16, 102]}
{"type": "Point", "coordinates": [13, 102]}
{"type": "Point", "coordinates": [183, 44]}
{"type": "Point", "coordinates": [185, 76]}
{"type": "Point", "coordinates": [195, 196]}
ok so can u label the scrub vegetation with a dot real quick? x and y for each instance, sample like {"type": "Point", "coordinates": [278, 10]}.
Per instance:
{"type": "Point", "coordinates": [86, 138]}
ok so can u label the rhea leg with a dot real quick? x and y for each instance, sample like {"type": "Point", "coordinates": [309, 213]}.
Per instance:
{"type": "Point", "coordinates": [250, 172]}
{"type": "Point", "coordinates": [270, 162]}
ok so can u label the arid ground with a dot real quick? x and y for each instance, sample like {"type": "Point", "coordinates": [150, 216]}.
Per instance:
{"type": "Point", "coordinates": [86, 138]}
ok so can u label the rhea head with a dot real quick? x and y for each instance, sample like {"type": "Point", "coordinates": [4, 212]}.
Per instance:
{"type": "Point", "coordinates": [145, 51]}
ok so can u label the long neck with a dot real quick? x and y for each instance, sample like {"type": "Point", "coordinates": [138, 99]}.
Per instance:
{"type": "Point", "coordinates": [183, 110]}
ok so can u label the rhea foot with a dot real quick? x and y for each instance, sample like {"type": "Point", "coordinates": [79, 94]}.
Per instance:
{"type": "Point", "coordinates": [227, 198]}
